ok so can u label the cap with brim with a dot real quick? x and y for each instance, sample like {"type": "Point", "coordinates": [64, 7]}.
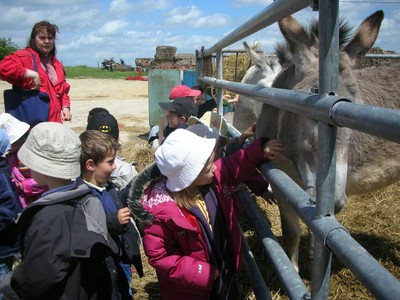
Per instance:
{"type": "Point", "coordinates": [104, 122]}
{"type": "Point", "coordinates": [183, 106]}
{"type": "Point", "coordinates": [182, 157]}
{"type": "Point", "coordinates": [52, 149]}
{"type": "Point", "coordinates": [181, 91]}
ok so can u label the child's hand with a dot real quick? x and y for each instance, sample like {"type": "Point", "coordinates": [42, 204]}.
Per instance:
{"type": "Point", "coordinates": [251, 131]}
{"type": "Point", "coordinates": [124, 215]}
{"type": "Point", "coordinates": [273, 149]}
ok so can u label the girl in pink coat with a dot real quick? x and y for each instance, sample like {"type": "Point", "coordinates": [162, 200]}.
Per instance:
{"type": "Point", "coordinates": [191, 237]}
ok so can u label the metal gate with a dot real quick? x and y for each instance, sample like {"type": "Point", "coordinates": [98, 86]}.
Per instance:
{"type": "Point", "coordinates": [332, 236]}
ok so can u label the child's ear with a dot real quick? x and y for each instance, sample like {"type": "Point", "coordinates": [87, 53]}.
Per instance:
{"type": "Point", "coordinates": [182, 120]}
{"type": "Point", "coordinates": [89, 165]}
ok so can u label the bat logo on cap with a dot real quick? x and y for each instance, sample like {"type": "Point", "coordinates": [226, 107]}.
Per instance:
{"type": "Point", "coordinates": [105, 129]}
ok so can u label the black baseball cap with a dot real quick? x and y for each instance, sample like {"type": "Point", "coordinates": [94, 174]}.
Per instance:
{"type": "Point", "coordinates": [183, 106]}
{"type": "Point", "coordinates": [104, 122]}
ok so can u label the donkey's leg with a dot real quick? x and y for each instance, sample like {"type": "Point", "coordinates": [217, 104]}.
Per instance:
{"type": "Point", "coordinates": [291, 232]}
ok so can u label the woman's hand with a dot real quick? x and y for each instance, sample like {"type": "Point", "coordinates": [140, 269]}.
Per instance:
{"type": "Point", "coordinates": [66, 114]}
{"type": "Point", "coordinates": [35, 78]}
{"type": "Point", "coordinates": [273, 149]}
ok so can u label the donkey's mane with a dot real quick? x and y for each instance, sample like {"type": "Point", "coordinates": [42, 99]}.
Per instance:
{"type": "Point", "coordinates": [284, 53]}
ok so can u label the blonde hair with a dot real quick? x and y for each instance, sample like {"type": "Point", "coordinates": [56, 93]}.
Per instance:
{"type": "Point", "coordinates": [187, 197]}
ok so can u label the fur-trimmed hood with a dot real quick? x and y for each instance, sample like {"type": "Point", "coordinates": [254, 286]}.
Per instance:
{"type": "Point", "coordinates": [135, 193]}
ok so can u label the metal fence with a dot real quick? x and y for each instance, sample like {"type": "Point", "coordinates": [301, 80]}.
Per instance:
{"type": "Point", "coordinates": [333, 110]}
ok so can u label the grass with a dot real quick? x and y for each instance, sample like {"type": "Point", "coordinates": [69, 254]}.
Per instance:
{"type": "Point", "coordinates": [98, 73]}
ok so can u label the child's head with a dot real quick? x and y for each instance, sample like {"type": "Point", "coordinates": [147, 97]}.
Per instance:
{"type": "Point", "coordinates": [179, 111]}
{"type": "Point", "coordinates": [186, 159]}
{"type": "Point", "coordinates": [52, 149]}
{"type": "Point", "coordinates": [200, 99]}
{"type": "Point", "coordinates": [97, 156]}
{"type": "Point", "coordinates": [94, 111]}
{"type": "Point", "coordinates": [104, 122]}
{"type": "Point", "coordinates": [5, 144]}
{"type": "Point", "coordinates": [182, 91]}
{"type": "Point", "coordinates": [17, 130]}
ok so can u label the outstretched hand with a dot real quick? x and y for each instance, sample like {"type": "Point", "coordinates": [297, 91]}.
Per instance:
{"type": "Point", "coordinates": [251, 131]}
{"type": "Point", "coordinates": [273, 149]}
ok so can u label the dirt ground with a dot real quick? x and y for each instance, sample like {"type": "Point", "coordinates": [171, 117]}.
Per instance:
{"type": "Point", "coordinates": [127, 100]}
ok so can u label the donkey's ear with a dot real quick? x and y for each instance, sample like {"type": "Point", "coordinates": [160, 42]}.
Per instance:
{"type": "Point", "coordinates": [255, 58]}
{"type": "Point", "coordinates": [293, 32]}
{"type": "Point", "coordinates": [365, 36]}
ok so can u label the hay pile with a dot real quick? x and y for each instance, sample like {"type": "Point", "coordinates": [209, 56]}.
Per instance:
{"type": "Point", "coordinates": [369, 62]}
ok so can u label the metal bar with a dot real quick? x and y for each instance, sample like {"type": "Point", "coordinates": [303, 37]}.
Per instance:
{"type": "Point", "coordinates": [219, 75]}
{"type": "Point", "coordinates": [257, 283]}
{"type": "Point", "coordinates": [385, 56]}
{"type": "Point", "coordinates": [379, 281]}
{"type": "Point", "coordinates": [378, 121]}
{"type": "Point", "coordinates": [326, 154]}
{"type": "Point", "coordinates": [271, 14]}
{"type": "Point", "coordinates": [287, 275]}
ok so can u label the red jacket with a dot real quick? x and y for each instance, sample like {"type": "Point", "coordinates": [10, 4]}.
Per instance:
{"type": "Point", "coordinates": [12, 70]}
{"type": "Point", "coordinates": [177, 250]}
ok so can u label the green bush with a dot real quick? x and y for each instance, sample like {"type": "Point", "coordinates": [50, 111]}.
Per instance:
{"type": "Point", "coordinates": [7, 47]}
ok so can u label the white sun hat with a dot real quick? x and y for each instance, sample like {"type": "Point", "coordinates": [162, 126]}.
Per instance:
{"type": "Point", "coordinates": [181, 158]}
{"type": "Point", "coordinates": [14, 128]}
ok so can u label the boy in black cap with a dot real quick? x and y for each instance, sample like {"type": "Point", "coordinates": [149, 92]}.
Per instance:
{"type": "Point", "coordinates": [105, 122]}
{"type": "Point", "coordinates": [178, 113]}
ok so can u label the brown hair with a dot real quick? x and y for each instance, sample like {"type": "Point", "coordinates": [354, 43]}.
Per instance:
{"type": "Point", "coordinates": [97, 146]}
{"type": "Point", "coordinates": [51, 29]}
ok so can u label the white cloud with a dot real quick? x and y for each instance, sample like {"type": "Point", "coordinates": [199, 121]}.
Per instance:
{"type": "Point", "coordinates": [192, 17]}
{"type": "Point", "coordinates": [251, 2]}
{"type": "Point", "coordinates": [121, 7]}
{"type": "Point", "coordinates": [152, 5]}
{"type": "Point", "coordinates": [113, 28]}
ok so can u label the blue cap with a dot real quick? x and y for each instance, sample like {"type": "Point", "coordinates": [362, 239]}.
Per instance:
{"type": "Point", "coordinates": [5, 144]}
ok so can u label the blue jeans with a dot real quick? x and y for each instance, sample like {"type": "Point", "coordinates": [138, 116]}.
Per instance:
{"type": "Point", "coordinates": [128, 274]}
{"type": "Point", "coordinates": [5, 267]}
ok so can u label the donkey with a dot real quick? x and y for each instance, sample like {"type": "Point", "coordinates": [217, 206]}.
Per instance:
{"type": "Point", "coordinates": [263, 72]}
{"type": "Point", "coordinates": [364, 162]}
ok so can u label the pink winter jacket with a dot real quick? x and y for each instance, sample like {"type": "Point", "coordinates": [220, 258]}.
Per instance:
{"type": "Point", "coordinates": [175, 249]}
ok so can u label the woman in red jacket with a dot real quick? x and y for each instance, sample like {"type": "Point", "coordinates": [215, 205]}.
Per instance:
{"type": "Point", "coordinates": [18, 69]}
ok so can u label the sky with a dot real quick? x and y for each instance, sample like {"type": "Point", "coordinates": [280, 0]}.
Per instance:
{"type": "Point", "coordinates": [93, 30]}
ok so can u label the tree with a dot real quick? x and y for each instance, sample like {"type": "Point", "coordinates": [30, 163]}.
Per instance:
{"type": "Point", "coordinates": [7, 47]}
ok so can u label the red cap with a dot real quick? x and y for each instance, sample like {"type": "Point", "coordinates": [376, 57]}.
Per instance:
{"type": "Point", "coordinates": [181, 91]}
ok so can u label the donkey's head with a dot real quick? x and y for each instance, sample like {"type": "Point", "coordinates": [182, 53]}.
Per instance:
{"type": "Point", "coordinates": [300, 52]}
